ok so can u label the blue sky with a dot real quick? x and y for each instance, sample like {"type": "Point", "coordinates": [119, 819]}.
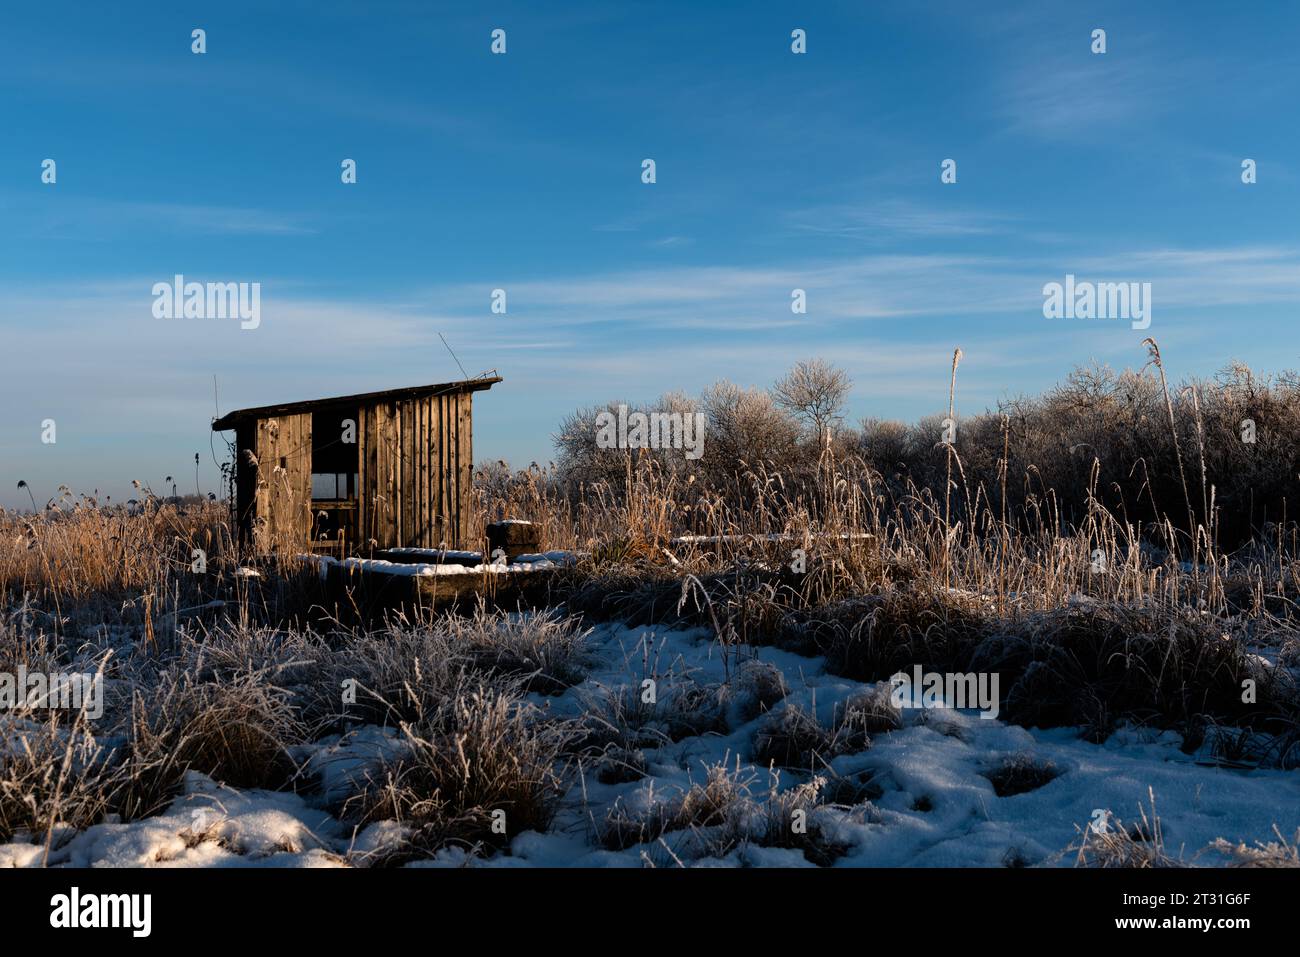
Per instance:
{"type": "Point", "coordinates": [775, 171]}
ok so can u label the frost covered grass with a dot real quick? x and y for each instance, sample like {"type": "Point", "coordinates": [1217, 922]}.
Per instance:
{"type": "Point", "coordinates": [1138, 845]}
{"type": "Point", "coordinates": [245, 707]}
{"type": "Point", "coordinates": [712, 685]}
{"type": "Point", "coordinates": [1075, 641]}
{"type": "Point", "coordinates": [794, 738]}
{"type": "Point", "coordinates": [1283, 852]}
{"type": "Point", "coordinates": [768, 737]}
{"type": "Point", "coordinates": [476, 766]}
{"type": "Point", "coordinates": [726, 815]}
{"type": "Point", "coordinates": [246, 746]}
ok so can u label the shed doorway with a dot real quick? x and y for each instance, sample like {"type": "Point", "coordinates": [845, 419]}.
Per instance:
{"type": "Point", "coordinates": [335, 480]}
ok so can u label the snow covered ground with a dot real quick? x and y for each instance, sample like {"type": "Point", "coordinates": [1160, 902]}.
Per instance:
{"type": "Point", "coordinates": [932, 803]}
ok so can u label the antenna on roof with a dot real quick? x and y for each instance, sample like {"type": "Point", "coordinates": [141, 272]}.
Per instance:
{"type": "Point", "coordinates": [463, 373]}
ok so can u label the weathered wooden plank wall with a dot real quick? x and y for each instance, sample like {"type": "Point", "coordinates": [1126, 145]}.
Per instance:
{"type": "Point", "coordinates": [382, 483]}
{"type": "Point", "coordinates": [446, 449]}
{"type": "Point", "coordinates": [466, 472]}
{"type": "Point", "coordinates": [416, 472]}
{"type": "Point", "coordinates": [282, 495]}
{"type": "Point", "coordinates": [402, 435]}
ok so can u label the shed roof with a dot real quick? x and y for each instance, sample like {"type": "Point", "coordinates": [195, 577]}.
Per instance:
{"type": "Point", "coordinates": [231, 419]}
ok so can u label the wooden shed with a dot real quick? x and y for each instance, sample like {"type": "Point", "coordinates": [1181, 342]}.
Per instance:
{"type": "Point", "coordinates": [357, 473]}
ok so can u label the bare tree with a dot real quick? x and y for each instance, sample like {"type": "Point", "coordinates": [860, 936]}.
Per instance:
{"type": "Point", "coordinates": [745, 426]}
{"type": "Point", "coordinates": [814, 391]}
{"type": "Point", "coordinates": [580, 459]}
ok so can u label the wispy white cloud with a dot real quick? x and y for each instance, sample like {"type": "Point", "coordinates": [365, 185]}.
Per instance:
{"type": "Point", "coordinates": [1084, 101]}
{"type": "Point", "coordinates": [886, 221]}
{"type": "Point", "coordinates": [97, 218]}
